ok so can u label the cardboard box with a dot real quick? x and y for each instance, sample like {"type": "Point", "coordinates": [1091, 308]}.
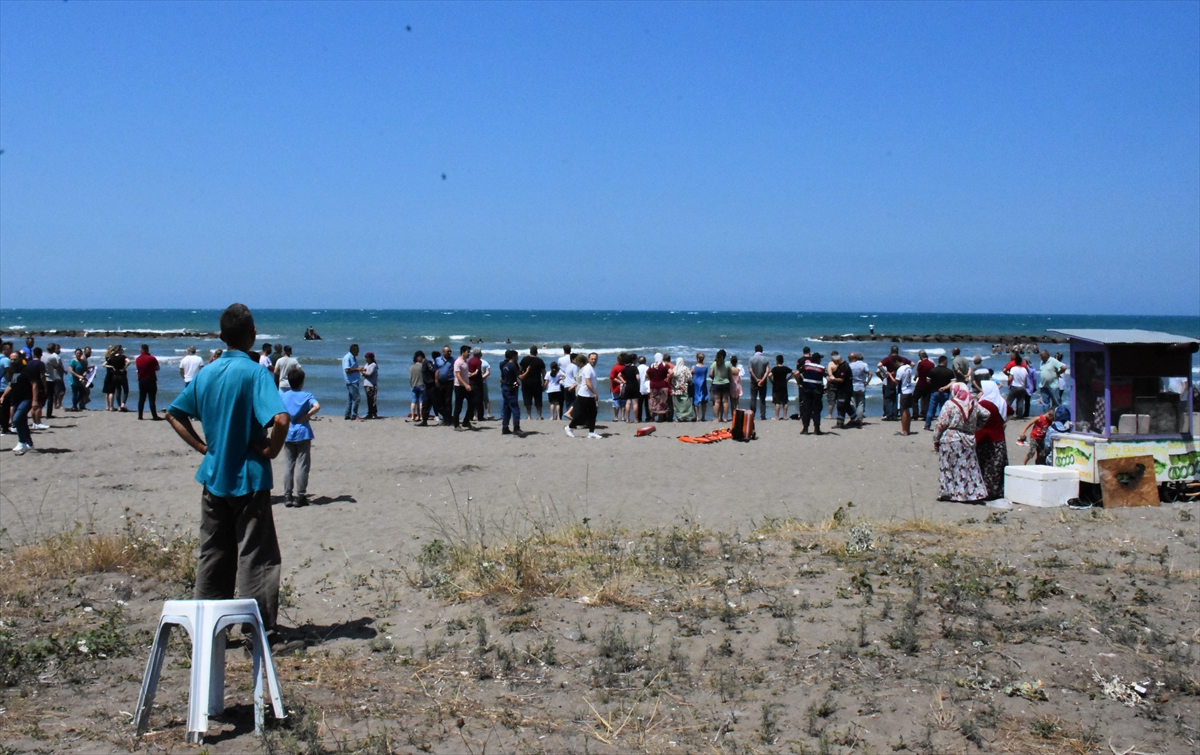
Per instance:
{"type": "Point", "coordinates": [1041, 486]}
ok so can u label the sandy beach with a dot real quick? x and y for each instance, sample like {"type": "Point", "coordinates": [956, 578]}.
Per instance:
{"type": "Point", "coordinates": [383, 491]}
{"type": "Point", "coordinates": [375, 481]}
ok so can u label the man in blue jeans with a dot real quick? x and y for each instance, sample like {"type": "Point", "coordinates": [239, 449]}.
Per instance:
{"type": "Point", "coordinates": [353, 373]}
{"type": "Point", "coordinates": [940, 378]}
{"type": "Point", "coordinates": [22, 393]}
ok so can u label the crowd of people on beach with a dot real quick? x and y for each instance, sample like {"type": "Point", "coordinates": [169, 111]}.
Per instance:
{"type": "Point", "coordinates": [660, 388]}
{"type": "Point", "coordinates": [253, 406]}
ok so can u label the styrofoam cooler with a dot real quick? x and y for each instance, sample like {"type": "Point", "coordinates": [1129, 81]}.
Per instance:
{"type": "Point", "coordinates": [1042, 486]}
{"type": "Point", "coordinates": [1183, 422]}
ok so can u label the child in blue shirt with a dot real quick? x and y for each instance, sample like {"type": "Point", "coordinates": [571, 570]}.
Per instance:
{"type": "Point", "coordinates": [301, 407]}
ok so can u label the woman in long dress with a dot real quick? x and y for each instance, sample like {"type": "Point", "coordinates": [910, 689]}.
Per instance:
{"type": "Point", "coordinates": [959, 477]}
{"type": "Point", "coordinates": [681, 383]}
{"type": "Point", "coordinates": [700, 387]}
{"type": "Point", "coordinates": [659, 376]}
{"type": "Point", "coordinates": [735, 384]}
{"type": "Point", "coordinates": [990, 445]}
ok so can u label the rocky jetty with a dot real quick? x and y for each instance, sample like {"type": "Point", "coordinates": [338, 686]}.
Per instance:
{"type": "Point", "coordinates": [123, 334]}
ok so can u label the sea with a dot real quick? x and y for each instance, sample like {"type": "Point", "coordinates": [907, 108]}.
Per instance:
{"type": "Point", "coordinates": [395, 335]}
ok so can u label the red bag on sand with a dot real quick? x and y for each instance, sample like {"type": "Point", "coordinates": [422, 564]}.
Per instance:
{"type": "Point", "coordinates": [645, 430]}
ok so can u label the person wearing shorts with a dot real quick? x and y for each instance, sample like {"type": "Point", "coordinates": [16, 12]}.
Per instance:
{"type": "Point", "coordinates": [416, 381]}
{"type": "Point", "coordinates": [780, 375]}
{"type": "Point", "coordinates": [533, 378]}
{"type": "Point", "coordinates": [554, 391]}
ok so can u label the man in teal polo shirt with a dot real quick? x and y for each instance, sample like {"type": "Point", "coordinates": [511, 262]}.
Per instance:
{"type": "Point", "coordinates": [236, 401]}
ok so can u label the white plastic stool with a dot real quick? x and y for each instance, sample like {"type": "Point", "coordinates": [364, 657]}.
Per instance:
{"type": "Point", "coordinates": [205, 622]}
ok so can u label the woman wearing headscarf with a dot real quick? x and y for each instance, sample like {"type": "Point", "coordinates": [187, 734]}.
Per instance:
{"type": "Point", "coordinates": [990, 446]}
{"type": "Point", "coordinates": [959, 478]}
{"type": "Point", "coordinates": [681, 383]}
{"type": "Point", "coordinates": [660, 389]}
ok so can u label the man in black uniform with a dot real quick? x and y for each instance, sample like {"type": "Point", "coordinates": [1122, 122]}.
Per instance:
{"type": "Point", "coordinates": [843, 382]}
{"type": "Point", "coordinates": [812, 374]}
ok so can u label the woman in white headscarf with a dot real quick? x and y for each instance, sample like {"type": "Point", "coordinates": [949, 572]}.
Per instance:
{"type": "Point", "coordinates": [959, 478]}
{"type": "Point", "coordinates": [658, 383]}
{"type": "Point", "coordinates": [991, 448]}
{"type": "Point", "coordinates": [681, 383]}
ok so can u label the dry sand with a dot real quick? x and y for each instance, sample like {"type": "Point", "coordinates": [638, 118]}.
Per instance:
{"type": "Point", "coordinates": [384, 489]}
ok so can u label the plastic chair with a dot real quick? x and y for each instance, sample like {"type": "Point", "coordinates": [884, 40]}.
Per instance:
{"type": "Point", "coordinates": [205, 622]}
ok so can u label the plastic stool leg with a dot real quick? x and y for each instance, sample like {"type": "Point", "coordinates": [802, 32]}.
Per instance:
{"type": "Point", "coordinates": [199, 692]}
{"type": "Point", "coordinates": [158, 652]}
{"type": "Point", "coordinates": [272, 678]}
{"type": "Point", "coordinates": [216, 677]}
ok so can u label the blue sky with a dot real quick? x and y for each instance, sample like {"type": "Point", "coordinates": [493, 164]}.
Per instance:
{"type": "Point", "coordinates": [805, 156]}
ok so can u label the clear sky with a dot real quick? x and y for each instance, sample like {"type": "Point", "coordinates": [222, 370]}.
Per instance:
{"type": "Point", "coordinates": [1004, 157]}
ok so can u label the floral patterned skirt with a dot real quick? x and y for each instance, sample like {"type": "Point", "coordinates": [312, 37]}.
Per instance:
{"type": "Point", "coordinates": [959, 477]}
{"type": "Point", "coordinates": [993, 458]}
{"type": "Point", "coordinates": [659, 401]}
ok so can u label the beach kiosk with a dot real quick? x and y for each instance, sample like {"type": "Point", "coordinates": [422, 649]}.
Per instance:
{"type": "Point", "coordinates": [1134, 422]}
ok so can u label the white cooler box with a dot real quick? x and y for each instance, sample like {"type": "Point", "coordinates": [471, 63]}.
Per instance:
{"type": "Point", "coordinates": [1037, 485]}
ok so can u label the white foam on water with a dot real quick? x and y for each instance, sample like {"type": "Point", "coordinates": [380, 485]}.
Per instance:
{"type": "Point", "coordinates": [931, 352]}
{"type": "Point", "coordinates": [459, 338]}
{"type": "Point", "coordinates": [428, 338]}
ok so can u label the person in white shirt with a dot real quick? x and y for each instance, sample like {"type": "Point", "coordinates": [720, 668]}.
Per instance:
{"type": "Point", "coordinates": [190, 365]}
{"type": "Point", "coordinates": [568, 368]}
{"type": "Point", "coordinates": [906, 376]}
{"type": "Point", "coordinates": [370, 379]}
{"type": "Point", "coordinates": [644, 387]}
{"type": "Point", "coordinates": [1018, 393]}
{"type": "Point", "coordinates": [585, 398]}
{"type": "Point", "coordinates": [283, 367]}
{"type": "Point", "coordinates": [265, 359]}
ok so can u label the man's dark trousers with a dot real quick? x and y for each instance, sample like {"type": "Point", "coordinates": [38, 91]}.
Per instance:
{"type": "Point", "coordinates": [148, 389]}
{"type": "Point", "coordinates": [461, 396]}
{"type": "Point", "coordinates": [811, 407]}
{"type": "Point", "coordinates": [890, 408]}
{"type": "Point", "coordinates": [512, 408]}
{"type": "Point", "coordinates": [758, 396]}
{"type": "Point", "coordinates": [238, 548]}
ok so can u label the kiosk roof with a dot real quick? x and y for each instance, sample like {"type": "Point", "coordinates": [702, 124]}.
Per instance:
{"type": "Point", "coordinates": [1114, 336]}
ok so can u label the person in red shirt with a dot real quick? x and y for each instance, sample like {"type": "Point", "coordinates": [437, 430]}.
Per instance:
{"type": "Point", "coordinates": [616, 384]}
{"type": "Point", "coordinates": [1037, 450]}
{"type": "Point", "coordinates": [147, 373]}
{"type": "Point", "coordinates": [921, 393]}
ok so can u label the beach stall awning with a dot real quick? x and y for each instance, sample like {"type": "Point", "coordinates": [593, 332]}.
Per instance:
{"type": "Point", "coordinates": [1111, 337]}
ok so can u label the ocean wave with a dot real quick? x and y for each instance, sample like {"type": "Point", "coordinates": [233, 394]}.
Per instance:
{"type": "Point", "coordinates": [459, 338]}
{"type": "Point", "coordinates": [931, 352]}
